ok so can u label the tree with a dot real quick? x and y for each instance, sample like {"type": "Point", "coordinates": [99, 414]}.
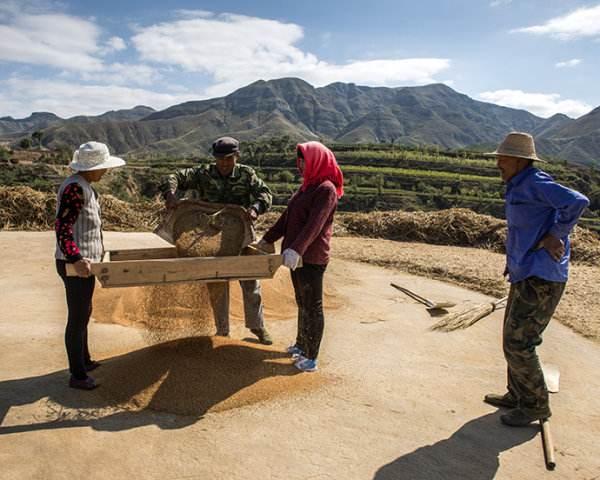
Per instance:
{"type": "Point", "coordinates": [37, 136]}
{"type": "Point", "coordinates": [25, 143]}
{"type": "Point", "coordinates": [285, 176]}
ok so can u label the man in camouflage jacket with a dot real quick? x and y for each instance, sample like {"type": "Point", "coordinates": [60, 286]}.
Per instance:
{"type": "Point", "coordinates": [227, 181]}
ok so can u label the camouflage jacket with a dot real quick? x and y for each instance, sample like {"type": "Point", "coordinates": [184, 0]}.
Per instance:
{"type": "Point", "coordinates": [242, 187]}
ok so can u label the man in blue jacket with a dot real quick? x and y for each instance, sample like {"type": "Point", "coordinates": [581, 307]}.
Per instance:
{"type": "Point", "coordinates": [540, 214]}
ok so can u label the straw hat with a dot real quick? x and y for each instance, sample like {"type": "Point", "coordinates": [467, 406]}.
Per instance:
{"type": "Point", "coordinates": [517, 144]}
{"type": "Point", "coordinates": [94, 156]}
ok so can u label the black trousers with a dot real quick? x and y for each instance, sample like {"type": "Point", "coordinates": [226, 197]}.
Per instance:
{"type": "Point", "coordinates": [308, 288]}
{"type": "Point", "coordinates": [79, 293]}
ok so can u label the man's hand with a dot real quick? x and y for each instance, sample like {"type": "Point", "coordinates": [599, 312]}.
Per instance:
{"type": "Point", "coordinates": [264, 246]}
{"type": "Point", "coordinates": [83, 268]}
{"type": "Point", "coordinates": [170, 200]}
{"type": "Point", "coordinates": [554, 246]}
{"type": "Point", "coordinates": [252, 214]}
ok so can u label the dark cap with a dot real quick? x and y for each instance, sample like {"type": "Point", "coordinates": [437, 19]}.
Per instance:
{"type": "Point", "coordinates": [225, 146]}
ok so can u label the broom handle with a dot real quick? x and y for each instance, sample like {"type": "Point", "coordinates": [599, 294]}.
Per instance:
{"type": "Point", "coordinates": [499, 302]}
{"type": "Point", "coordinates": [413, 295]}
{"type": "Point", "coordinates": [548, 444]}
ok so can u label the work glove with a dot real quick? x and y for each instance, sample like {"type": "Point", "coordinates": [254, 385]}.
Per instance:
{"type": "Point", "coordinates": [291, 258]}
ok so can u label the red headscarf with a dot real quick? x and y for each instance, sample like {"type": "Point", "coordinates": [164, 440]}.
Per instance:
{"type": "Point", "coordinates": [320, 165]}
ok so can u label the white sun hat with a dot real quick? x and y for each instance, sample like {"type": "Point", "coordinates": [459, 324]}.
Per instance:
{"type": "Point", "coordinates": [519, 145]}
{"type": "Point", "coordinates": [94, 156]}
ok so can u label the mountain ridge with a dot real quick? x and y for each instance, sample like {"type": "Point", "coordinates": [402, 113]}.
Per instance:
{"type": "Point", "coordinates": [432, 114]}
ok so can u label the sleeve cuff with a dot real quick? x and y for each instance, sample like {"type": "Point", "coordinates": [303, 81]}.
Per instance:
{"type": "Point", "coordinates": [559, 231]}
{"type": "Point", "coordinates": [73, 258]}
{"type": "Point", "coordinates": [258, 207]}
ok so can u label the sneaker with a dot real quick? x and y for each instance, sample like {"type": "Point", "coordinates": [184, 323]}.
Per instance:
{"type": "Point", "coordinates": [306, 364]}
{"type": "Point", "coordinates": [295, 351]}
{"type": "Point", "coordinates": [263, 335]}
{"type": "Point", "coordinates": [518, 418]}
{"type": "Point", "coordinates": [87, 383]}
{"type": "Point", "coordinates": [507, 400]}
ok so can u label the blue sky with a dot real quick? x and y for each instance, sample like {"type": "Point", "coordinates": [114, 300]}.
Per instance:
{"type": "Point", "coordinates": [87, 57]}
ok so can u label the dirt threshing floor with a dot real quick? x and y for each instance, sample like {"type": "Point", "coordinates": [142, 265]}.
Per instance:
{"type": "Point", "coordinates": [479, 270]}
{"type": "Point", "coordinates": [393, 400]}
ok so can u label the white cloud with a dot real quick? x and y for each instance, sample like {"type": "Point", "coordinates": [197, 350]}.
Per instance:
{"type": "Point", "coordinates": [498, 3]}
{"type": "Point", "coordinates": [20, 96]}
{"type": "Point", "coordinates": [183, 13]}
{"type": "Point", "coordinates": [236, 50]}
{"type": "Point", "coordinates": [583, 22]}
{"type": "Point", "coordinates": [568, 63]}
{"type": "Point", "coordinates": [123, 74]}
{"type": "Point", "coordinates": [43, 40]}
{"type": "Point", "coordinates": [115, 44]}
{"type": "Point", "coordinates": [541, 104]}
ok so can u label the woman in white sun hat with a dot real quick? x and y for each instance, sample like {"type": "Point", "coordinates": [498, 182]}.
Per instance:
{"type": "Point", "coordinates": [79, 241]}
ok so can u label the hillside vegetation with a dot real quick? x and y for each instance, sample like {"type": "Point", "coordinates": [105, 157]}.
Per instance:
{"type": "Point", "coordinates": [377, 177]}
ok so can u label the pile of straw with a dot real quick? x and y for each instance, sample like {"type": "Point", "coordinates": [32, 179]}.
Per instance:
{"type": "Point", "coordinates": [121, 216]}
{"type": "Point", "coordinates": [456, 226]}
{"type": "Point", "coordinates": [23, 208]}
{"type": "Point", "coordinates": [585, 246]}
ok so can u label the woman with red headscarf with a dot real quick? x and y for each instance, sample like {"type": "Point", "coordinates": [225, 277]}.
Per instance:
{"type": "Point", "coordinates": [306, 227]}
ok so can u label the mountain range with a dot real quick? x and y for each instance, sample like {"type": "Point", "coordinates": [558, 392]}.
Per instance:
{"type": "Point", "coordinates": [340, 112]}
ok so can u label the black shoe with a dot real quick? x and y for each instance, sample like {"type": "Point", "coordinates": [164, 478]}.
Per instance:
{"type": "Point", "coordinates": [518, 418]}
{"type": "Point", "coordinates": [222, 334]}
{"type": "Point", "coordinates": [87, 383]}
{"type": "Point", "coordinates": [507, 400]}
{"type": "Point", "coordinates": [262, 335]}
{"type": "Point", "coordinates": [92, 365]}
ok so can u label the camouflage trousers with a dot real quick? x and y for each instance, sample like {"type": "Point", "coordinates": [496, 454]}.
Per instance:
{"type": "Point", "coordinates": [253, 307]}
{"type": "Point", "coordinates": [531, 304]}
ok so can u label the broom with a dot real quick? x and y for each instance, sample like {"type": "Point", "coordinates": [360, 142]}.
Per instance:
{"type": "Point", "coordinates": [466, 318]}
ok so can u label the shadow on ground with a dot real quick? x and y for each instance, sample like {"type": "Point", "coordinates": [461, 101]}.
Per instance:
{"type": "Point", "coordinates": [472, 452]}
{"type": "Point", "coordinates": [170, 385]}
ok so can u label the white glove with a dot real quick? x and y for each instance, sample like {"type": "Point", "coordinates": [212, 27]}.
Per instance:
{"type": "Point", "coordinates": [291, 258]}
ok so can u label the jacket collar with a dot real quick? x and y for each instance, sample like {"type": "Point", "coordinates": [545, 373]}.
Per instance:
{"type": "Point", "coordinates": [235, 173]}
{"type": "Point", "coordinates": [521, 176]}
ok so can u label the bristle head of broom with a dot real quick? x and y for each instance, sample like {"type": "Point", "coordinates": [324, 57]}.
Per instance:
{"type": "Point", "coordinates": [464, 319]}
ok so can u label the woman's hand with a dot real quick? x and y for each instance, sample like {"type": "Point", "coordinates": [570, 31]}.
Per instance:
{"type": "Point", "coordinates": [252, 214]}
{"type": "Point", "coordinates": [291, 258]}
{"type": "Point", "coordinates": [83, 268]}
{"type": "Point", "coordinates": [554, 246]}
